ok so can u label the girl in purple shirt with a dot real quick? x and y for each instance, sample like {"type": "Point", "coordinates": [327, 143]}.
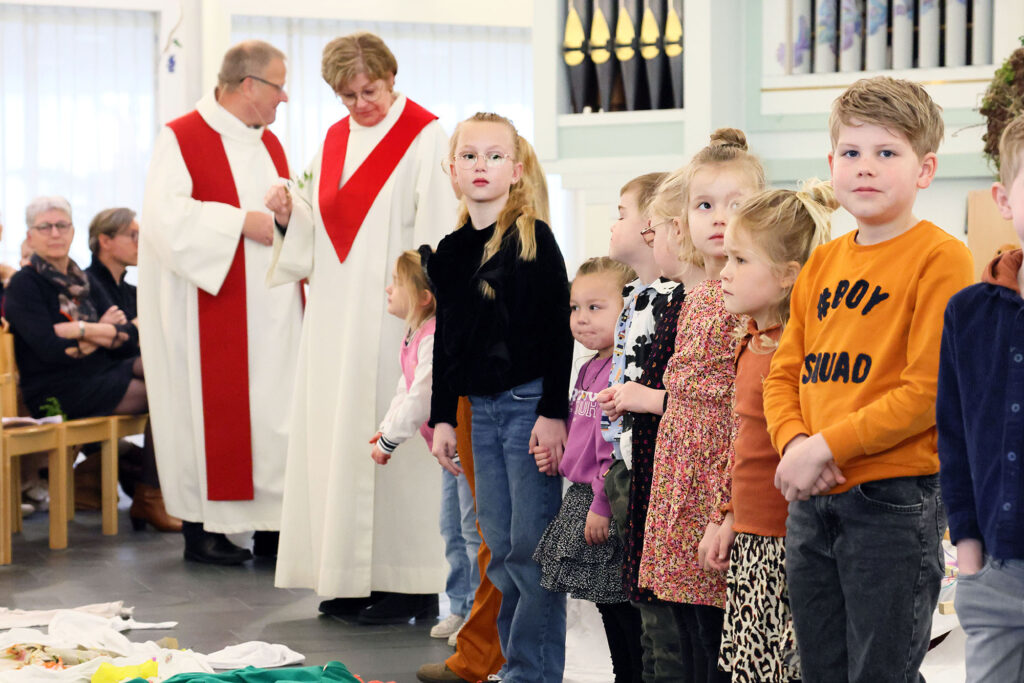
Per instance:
{"type": "Point", "coordinates": [580, 553]}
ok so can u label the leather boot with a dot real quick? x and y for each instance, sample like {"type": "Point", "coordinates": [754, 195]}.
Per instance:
{"type": "Point", "coordinates": [211, 548]}
{"type": "Point", "coordinates": [148, 506]}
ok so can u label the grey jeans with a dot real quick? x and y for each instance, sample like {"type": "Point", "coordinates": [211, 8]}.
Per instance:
{"type": "Point", "coordinates": [864, 570]}
{"type": "Point", "coordinates": [990, 606]}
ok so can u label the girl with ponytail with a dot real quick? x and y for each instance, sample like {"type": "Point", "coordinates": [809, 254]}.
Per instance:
{"type": "Point", "coordinates": [767, 242]}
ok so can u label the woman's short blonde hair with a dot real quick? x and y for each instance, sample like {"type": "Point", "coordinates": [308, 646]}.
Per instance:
{"type": "Point", "coordinates": [361, 52]}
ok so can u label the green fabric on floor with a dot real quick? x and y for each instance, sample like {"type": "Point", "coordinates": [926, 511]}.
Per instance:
{"type": "Point", "coordinates": [334, 672]}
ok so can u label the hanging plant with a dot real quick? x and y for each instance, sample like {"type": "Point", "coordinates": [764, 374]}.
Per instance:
{"type": "Point", "coordinates": [1003, 101]}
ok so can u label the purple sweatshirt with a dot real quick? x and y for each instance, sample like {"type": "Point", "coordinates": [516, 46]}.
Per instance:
{"type": "Point", "coordinates": [587, 455]}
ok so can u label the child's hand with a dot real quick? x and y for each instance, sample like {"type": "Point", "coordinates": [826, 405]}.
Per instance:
{"type": "Point", "coordinates": [721, 546]}
{"type": "Point", "coordinates": [596, 530]}
{"type": "Point", "coordinates": [633, 397]}
{"type": "Point", "coordinates": [545, 463]}
{"type": "Point", "coordinates": [705, 545]}
{"type": "Point", "coordinates": [606, 399]}
{"type": "Point", "coordinates": [969, 556]}
{"type": "Point", "coordinates": [379, 456]}
{"type": "Point", "coordinates": [548, 433]}
{"type": "Point", "coordinates": [376, 437]}
{"type": "Point", "coordinates": [829, 478]}
{"type": "Point", "coordinates": [444, 447]}
{"type": "Point", "coordinates": [802, 464]}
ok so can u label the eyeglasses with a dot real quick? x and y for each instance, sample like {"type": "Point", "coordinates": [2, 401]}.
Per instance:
{"type": "Point", "coordinates": [133, 235]}
{"type": "Point", "coordinates": [371, 93]}
{"type": "Point", "coordinates": [44, 228]}
{"type": "Point", "coordinates": [648, 232]}
{"type": "Point", "coordinates": [468, 160]}
{"type": "Point", "coordinates": [275, 86]}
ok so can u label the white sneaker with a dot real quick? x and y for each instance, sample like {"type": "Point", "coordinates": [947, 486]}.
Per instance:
{"type": "Point", "coordinates": [447, 626]}
{"type": "Point", "coordinates": [453, 638]}
{"type": "Point", "coordinates": [494, 677]}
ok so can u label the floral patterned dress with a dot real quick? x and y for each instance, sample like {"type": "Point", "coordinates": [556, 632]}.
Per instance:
{"type": "Point", "coordinates": [645, 434]}
{"type": "Point", "coordinates": [693, 455]}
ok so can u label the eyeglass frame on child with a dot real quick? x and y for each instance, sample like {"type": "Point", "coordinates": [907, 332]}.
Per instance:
{"type": "Point", "coordinates": [649, 231]}
{"type": "Point", "coordinates": [62, 227]}
{"type": "Point", "coordinates": [491, 160]}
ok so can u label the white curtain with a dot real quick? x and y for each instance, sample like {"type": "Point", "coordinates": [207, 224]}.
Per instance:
{"type": "Point", "coordinates": [454, 71]}
{"type": "Point", "coordinates": [77, 113]}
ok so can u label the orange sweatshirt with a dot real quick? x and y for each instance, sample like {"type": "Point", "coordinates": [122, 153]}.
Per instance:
{"type": "Point", "coordinates": [859, 359]}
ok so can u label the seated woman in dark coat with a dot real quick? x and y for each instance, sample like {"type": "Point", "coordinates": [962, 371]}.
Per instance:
{"type": "Point", "coordinates": [63, 344]}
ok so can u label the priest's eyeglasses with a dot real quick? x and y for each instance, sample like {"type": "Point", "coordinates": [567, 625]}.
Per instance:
{"type": "Point", "coordinates": [46, 228]}
{"type": "Point", "coordinates": [468, 160]}
{"type": "Point", "coordinates": [275, 86]}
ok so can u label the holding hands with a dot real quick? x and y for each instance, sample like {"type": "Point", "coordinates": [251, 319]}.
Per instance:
{"type": "Point", "coordinates": [807, 468]}
{"type": "Point", "coordinates": [548, 439]}
{"type": "Point", "coordinates": [444, 447]}
{"type": "Point", "coordinates": [721, 545]}
{"type": "Point", "coordinates": [631, 397]}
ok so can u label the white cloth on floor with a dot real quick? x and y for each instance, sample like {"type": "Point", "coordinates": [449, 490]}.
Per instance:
{"type": "Point", "coordinates": [254, 653]}
{"type": "Point", "coordinates": [72, 630]}
{"type": "Point", "coordinates": [11, 618]}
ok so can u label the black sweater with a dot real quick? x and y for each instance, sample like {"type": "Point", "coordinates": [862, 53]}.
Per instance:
{"type": "Point", "coordinates": [106, 292]}
{"type": "Point", "coordinates": [486, 346]}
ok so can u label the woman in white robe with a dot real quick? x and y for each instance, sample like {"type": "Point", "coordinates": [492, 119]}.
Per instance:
{"type": "Point", "coordinates": [349, 527]}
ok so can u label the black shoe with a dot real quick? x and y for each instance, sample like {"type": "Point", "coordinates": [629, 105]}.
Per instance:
{"type": "Point", "coordinates": [349, 607]}
{"type": "Point", "coordinates": [398, 608]}
{"type": "Point", "coordinates": [211, 548]}
{"type": "Point", "coordinates": [264, 543]}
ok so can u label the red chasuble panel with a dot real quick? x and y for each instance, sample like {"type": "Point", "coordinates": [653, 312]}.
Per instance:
{"type": "Point", "coordinates": [344, 208]}
{"type": "Point", "coordinates": [223, 327]}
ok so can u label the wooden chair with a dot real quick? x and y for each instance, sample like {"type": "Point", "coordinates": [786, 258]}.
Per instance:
{"type": "Point", "coordinates": [69, 435]}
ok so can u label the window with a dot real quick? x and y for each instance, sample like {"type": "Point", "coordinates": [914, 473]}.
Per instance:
{"type": "Point", "coordinates": [77, 113]}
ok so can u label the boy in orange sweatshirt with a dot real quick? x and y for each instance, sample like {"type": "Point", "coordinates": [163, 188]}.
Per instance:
{"type": "Point", "coordinates": [850, 399]}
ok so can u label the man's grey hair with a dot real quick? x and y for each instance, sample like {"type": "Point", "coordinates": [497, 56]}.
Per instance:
{"type": "Point", "coordinates": [42, 204]}
{"type": "Point", "coordinates": [248, 58]}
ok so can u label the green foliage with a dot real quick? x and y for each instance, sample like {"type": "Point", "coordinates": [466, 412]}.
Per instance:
{"type": "Point", "coordinates": [51, 407]}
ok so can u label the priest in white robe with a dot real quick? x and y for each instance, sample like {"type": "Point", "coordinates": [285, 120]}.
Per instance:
{"type": "Point", "coordinates": [220, 346]}
{"type": "Point", "coordinates": [351, 528]}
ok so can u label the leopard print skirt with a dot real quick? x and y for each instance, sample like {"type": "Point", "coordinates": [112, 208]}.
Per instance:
{"type": "Point", "coordinates": [758, 642]}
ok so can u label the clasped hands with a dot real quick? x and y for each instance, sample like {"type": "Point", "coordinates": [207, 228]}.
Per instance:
{"type": "Point", "coordinates": [807, 468]}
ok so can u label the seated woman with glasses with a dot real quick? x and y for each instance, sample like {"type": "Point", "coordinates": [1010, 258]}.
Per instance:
{"type": "Point", "coordinates": [114, 243]}
{"type": "Point", "coordinates": [63, 343]}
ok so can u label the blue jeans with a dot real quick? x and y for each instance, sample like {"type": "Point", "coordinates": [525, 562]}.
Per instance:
{"type": "Point", "coordinates": [461, 542]}
{"type": "Point", "coordinates": [515, 503]}
{"type": "Point", "coordinates": [864, 570]}
{"type": "Point", "coordinates": [990, 605]}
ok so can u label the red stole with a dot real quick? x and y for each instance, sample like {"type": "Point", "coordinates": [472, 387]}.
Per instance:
{"type": "Point", "coordinates": [223, 333]}
{"type": "Point", "coordinates": [343, 209]}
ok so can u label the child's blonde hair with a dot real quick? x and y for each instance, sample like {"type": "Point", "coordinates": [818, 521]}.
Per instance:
{"type": "Point", "coordinates": [412, 277]}
{"type": "Point", "coordinates": [727, 146]}
{"type": "Point", "coordinates": [599, 265]}
{"type": "Point", "coordinates": [1011, 144]}
{"type": "Point", "coordinates": [646, 189]}
{"type": "Point", "coordinates": [788, 225]}
{"type": "Point", "coordinates": [521, 207]}
{"type": "Point", "coordinates": [894, 104]}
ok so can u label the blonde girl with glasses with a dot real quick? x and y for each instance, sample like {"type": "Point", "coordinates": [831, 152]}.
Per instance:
{"type": "Point", "coordinates": [503, 340]}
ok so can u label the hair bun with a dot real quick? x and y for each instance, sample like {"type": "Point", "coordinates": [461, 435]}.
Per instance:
{"type": "Point", "coordinates": [729, 137]}
{"type": "Point", "coordinates": [821, 192]}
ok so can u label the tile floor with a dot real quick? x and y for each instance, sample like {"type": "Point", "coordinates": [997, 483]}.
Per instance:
{"type": "Point", "coordinates": [214, 606]}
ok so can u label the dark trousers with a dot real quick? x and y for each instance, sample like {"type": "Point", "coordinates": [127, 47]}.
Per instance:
{"type": "Point", "coordinates": [622, 628]}
{"type": "Point", "coordinates": [701, 626]}
{"type": "Point", "coordinates": [864, 570]}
